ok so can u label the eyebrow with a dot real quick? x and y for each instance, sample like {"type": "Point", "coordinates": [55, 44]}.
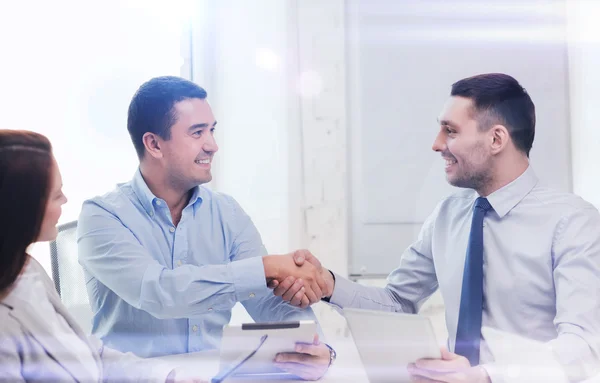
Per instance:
{"type": "Point", "coordinates": [201, 126]}
{"type": "Point", "coordinates": [448, 123]}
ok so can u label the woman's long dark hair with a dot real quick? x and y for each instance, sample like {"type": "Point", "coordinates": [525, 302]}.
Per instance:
{"type": "Point", "coordinates": [25, 176]}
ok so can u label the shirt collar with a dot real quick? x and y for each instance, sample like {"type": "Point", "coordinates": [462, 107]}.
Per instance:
{"type": "Point", "coordinates": [506, 198]}
{"type": "Point", "coordinates": [147, 198]}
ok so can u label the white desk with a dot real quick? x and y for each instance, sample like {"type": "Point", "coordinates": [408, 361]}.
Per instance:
{"type": "Point", "coordinates": [348, 367]}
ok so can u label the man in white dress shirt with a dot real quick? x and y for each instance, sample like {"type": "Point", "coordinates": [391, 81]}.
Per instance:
{"type": "Point", "coordinates": [505, 252]}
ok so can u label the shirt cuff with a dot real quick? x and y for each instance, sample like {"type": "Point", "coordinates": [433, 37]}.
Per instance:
{"type": "Point", "coordinates": [343, 292]}
{"type": "Point", "coordinates": [494, 372]}
{"type": "Point", "coordinates": [160, 371]}
{"type": "Point", "coordinates": [248, 278]}
{"type": "Point", "coordinates": [147, 370]}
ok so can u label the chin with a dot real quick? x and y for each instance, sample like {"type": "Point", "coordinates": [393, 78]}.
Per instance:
{"type": "Point", "coordinates": [203, 180]}
{"type": "Point", "coordinates": [48, 235]}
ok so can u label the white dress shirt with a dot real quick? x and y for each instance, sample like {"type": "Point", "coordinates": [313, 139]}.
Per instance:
{"type": "Point", "coordinates": [541, 268]}
{"type": "Point", "coordinates": [41, 342]}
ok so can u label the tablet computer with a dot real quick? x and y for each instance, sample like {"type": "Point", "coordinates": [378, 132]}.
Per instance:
{"type": "Point", "coordinates": [388, 342]}
{"type": "Point", "coordinates": [264, 341]}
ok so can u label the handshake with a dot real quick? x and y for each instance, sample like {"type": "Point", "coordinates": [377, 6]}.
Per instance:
{"type": "Point", "coordinates": [298, 277]}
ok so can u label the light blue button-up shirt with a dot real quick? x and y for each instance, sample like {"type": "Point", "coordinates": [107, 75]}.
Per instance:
{"type": "Point", "coordinates": [541, 268]}
{"type": "Point", "coordinates": [158, 289]}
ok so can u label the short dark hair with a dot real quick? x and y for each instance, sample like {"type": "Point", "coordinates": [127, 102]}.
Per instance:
{"type": "Point", "coordinates": [500, 99]}
{"type": "Point", "coordinates": [151, 108]}
{"type": "Point", "coordinates": [25, 176]}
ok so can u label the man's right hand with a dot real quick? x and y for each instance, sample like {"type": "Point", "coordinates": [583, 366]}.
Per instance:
{"type": "Point", "coordinates": [305, 284]}
{"type": "Point", "coordinates": [289, 287]}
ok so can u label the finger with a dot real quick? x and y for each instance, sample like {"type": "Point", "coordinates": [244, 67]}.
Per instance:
{"type": "Point", "coordinates": [436, 365]}
{"type": "Point", "coordinates": [319, 350]}
{"type": "Point", "coordinates": [292, 291]}
{"type": "Point", "coordinates": [303, 371]}
{"type": "Point", "coordinates": [297, 299]}
{"type": "Point", "coordinates": [316, 339]}
{"type": "Point", "coordinates": [294, 357]}
{"type": "Point", "coordinates": [273, 283]}
{"type": "Point", "coordinates": [299, 257]}
{"type": "Point", "coordinates": [311, 295]}
{"type": "Point", "coordinates": [317, 291]}
{"type": "Point", "coordinates": [305, 302]}
{"type": "Point", "coordinates": [447, 355]}
{"type": "Point", "coordinates": [433, 375]}
{"type": "Point", "coordinates": [284, 286]}
{"type": "Point", "coordinates": [321, 281]}
{"type": "Point", "coordinates": [311, 258]}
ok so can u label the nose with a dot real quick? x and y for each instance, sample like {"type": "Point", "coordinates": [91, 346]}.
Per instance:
{"type": "Point", "coordinates": [210, 145]}
{"type": "Point", "coordinates": [439, 145]}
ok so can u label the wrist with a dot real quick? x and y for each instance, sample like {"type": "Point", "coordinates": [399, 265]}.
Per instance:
{"type": "Point", "coordinates": [271, 267]}
{"type": "Point", "coordinates": [332, 354]}
{"type": "Point", "coordinates": [330, 282]}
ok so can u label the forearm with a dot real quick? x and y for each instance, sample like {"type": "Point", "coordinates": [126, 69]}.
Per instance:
{"type": "Point", "coordinates": [126, 367]}
{"type": "Point", "coordinates": [351, 294]}
{"type": "Point", "coordinates": [574, 354]}
{"type": "Point", "coordinates": [190, 291]}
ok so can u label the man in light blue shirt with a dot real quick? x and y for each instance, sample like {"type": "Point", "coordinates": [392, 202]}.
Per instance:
{"type": "Point", "coordinates": [165, 259]}
{"type": "Point", "coordinates": [538, 271]}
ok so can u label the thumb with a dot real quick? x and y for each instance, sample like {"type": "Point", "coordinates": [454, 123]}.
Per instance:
{"type": "Point", "coordinates": [299, 257]}
{"type": "Point", "coordinates": [447, 355]}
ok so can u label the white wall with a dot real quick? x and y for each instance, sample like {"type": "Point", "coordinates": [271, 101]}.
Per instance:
{"type": "Point", "coordinates": [69, 69]}
{"type": "Point", "coordinates": [584, 77]}
{"type": "Point", "coordinates": [244, 55]}
{"type": "Point", "coordinates": [403, 58]}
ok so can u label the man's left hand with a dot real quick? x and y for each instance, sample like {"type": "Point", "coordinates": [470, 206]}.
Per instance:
{"type": "Point", "coordinates": [309, 362]}
{"type": "Point", "coordinates": [452, 368]}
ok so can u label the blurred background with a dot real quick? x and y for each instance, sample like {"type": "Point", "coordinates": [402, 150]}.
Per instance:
{"type": "Point", "coordinates": [327, 109]}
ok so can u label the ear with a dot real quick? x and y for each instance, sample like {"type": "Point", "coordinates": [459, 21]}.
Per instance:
{"type": "Point", "coordinates": [153, 145]}
{"type": "Point", "coordinates": [499, 137]}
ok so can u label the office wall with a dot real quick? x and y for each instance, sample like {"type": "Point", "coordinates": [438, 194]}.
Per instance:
{"type": "Point", "coordinates": [69, 69]}
{"type": "Point", "coordinates": [403, 58]}
{"type": "Point", "coordinates": [584, 78]}
{"type": "Point", "coordinates": [244, 55]}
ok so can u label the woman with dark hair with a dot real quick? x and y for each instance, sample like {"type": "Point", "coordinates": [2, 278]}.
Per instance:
{"type": "Point", "coordinates": [39, 339]}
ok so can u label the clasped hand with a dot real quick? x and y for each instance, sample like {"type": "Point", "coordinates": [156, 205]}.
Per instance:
{"type": "Point", "coordinates": [297, 277]}
{"type": "Point", "coordinates": [300, 278]}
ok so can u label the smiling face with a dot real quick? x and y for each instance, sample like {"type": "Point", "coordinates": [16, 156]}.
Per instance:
{"type": "Point", "coordinates": [463, 146]}
{"type": "Point", "coordinates": [187, 155]}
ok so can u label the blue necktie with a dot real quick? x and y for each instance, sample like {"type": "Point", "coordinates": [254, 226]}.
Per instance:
{"type": "Point", "coordinates": [468, 333]}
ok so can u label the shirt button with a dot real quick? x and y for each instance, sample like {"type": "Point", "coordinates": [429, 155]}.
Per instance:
{"type": "Point", "coordinates": [178, 263]}
{"type": "Point", "coordinates": [252, 295]}
{"type": "Point", "coordinates": [151, 214]}
{"type": "Point", "coordinates": [195, 328]}
{"type": "Point", "coordinates": [158, 202]}
{"type": "Point", "coordinates": [172, 229]}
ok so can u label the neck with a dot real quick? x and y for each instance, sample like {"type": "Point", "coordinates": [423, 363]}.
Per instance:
{"type": "Point", "coordinates": [175, 196]}
{"type": "Point", "coordinates": [4, 293]}
{"type": "Point", "coordinates": [504, 173]}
